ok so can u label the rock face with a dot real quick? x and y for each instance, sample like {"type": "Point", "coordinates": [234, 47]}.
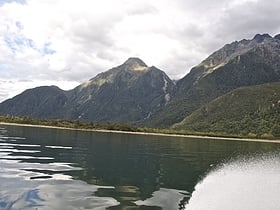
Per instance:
{"type": "Point", "coordinates": [242, 63]}
{"type": "Point", "coordinates": [129, 93]}
{"type": "Point", "coordinates": [277, 36]}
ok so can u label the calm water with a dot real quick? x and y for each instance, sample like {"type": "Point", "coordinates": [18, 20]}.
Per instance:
{"type": "Point", "coordinates": [59, 169]}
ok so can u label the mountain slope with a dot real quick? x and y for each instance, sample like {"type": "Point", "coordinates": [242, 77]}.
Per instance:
{"type": "Point", "coordinates": [253, 110]}
{"type": "Point", "coordinates": [40, 102]}
{"type": "Point", "coordinates": [243, 63]}
{"type": "Point", "coordinates": [134, 93]}
{"type": "Point", "coordinates": [129, 93]}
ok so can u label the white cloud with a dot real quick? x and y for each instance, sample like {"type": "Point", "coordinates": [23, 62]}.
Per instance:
{"type": "Point", "coordinates": [11, 88]}
{"type": "Point", "coordinates": [68, 40]}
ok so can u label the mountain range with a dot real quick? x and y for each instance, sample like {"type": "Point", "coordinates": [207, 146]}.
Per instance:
{"type": "Point", "coordinates": [136, 94]}
{"type": "Point", "coordinates": [129, 93]}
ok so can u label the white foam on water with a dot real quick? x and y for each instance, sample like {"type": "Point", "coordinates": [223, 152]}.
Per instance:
{"type": "Point", "coordinates": [249, 184]}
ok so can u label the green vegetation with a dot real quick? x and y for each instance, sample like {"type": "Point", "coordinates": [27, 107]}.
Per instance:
{"type": "Point", "coordinates": [249, 111]}
{"type": "Point", "coordinates": [76, 124]}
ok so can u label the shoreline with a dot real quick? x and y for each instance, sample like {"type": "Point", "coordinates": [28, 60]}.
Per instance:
{"type": "Point", "coordinates": [145, 133]}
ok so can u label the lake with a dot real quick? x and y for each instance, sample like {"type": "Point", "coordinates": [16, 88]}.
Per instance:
{"type": "Point", "coordinates": [61, 169]}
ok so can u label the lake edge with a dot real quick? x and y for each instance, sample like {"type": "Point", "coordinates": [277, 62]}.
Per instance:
{"type": "Point", "coordinates": [145, 133]}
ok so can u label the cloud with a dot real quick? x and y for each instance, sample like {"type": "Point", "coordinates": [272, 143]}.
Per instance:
{"type": "Point", "coordinates": [68, 40]}
{"type": "Point", "coordinates": [11, 88]}
{"type": "Point", "coordinates": [249, 18]}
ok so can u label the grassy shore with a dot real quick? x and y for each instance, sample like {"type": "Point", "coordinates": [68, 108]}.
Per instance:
{"type": "Point", "coordinates": [118, 128]}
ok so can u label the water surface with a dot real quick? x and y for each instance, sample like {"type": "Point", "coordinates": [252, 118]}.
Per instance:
{"type": "Point", "coordinates": [61, 169]}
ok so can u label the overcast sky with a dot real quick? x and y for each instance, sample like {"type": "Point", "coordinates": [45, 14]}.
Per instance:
{"type": "Point", "coordinates": [66, 42]}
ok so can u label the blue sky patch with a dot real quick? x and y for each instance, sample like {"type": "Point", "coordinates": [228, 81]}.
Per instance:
{"type": "Point", "coordinates": [15, 43]}
{"type": "Point", "coordinates": [47, 50]}
{"type": "Point", "coordinates": [2, 2]}
{"type": "Point", "coordinates": [5, 67]}
{"type": "Point", "coordinates": [8, 40]}
{"type": "Point", "coordinates": [18, 43]}
{"type": "Point", "coordinates": [19, 24]}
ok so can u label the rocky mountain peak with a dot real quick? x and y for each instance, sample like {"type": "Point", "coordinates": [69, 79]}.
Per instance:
{"type": "Point", "coordinates": [236, 49]}
{"type": "Point", "coordinates": [277, 36]}
{"type": "Point", "coordinates": [261, 37]}
{"type": "Point", "coordinates": [135, 64]}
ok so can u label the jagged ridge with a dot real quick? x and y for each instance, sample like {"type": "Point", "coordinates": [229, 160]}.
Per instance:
{"type": "Point", "coordinates": [137, 94]}
{"type": "Point", "coordinates": [129, 93]}
{"type": "Point", "coordinates": [243, 63]}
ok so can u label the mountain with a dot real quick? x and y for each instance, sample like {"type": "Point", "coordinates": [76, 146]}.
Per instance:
{"type": "Point", "coordinates": [241, 63]}
{"type": "Point", "coordinates": [134, 93]}
{"type": "Point", "coordinates": [252, 111]}
{"type": "Point", "coordinates": [40, 102]}
{"type": "Point", "coordinates": [129, 93]}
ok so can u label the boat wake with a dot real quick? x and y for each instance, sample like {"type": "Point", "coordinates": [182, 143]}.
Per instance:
{"type": "Point", "coordinates": [246, 183]}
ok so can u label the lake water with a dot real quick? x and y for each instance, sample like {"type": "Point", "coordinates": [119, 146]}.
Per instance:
{"type": "Point", "coordinates": [61, 169]}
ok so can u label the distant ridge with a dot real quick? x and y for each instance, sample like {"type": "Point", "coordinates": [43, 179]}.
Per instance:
{"type": "Point", "coordinates": [129, 93]}
{"type": "Point", "coordinates": [134, 93]}
{"type": "Point", "coordinates": [241, 63]}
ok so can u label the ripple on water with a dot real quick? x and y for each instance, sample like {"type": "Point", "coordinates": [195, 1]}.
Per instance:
{"type": "Point", "coordinates": [52, 194]}
{"type": "Point", "coordinates": [32, 184]}
{"type": "Point", "coordinates": [58, 147]}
